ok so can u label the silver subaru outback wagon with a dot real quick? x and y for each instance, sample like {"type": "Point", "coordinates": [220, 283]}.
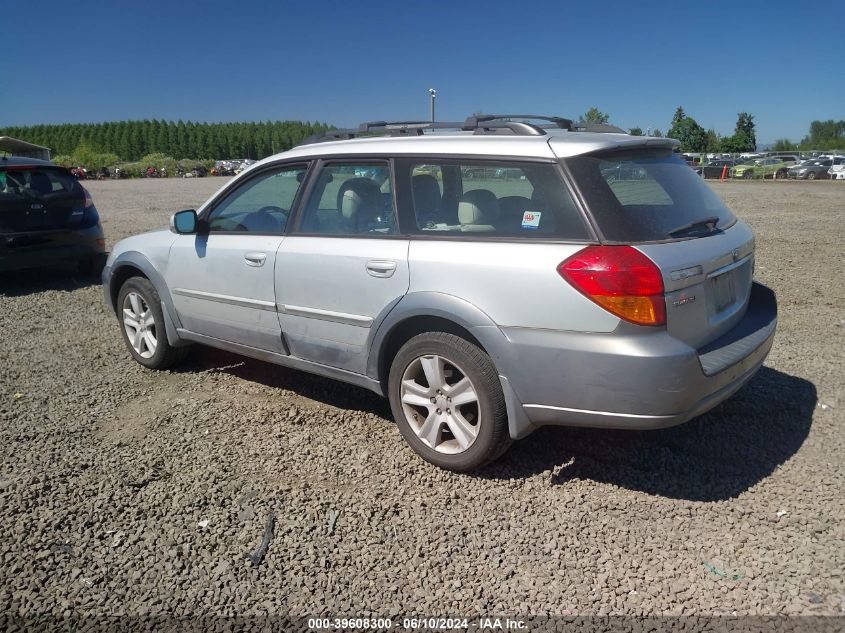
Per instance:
{"type": "Point", "coordinates": [489, 277]}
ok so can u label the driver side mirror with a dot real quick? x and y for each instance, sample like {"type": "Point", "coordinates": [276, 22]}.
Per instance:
{"type": "Point", "coordinates": [184, 222]}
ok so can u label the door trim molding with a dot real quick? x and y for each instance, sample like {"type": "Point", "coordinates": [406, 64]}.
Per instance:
{"type": "Point", "coordinates": [243, 302]}
{"type": "Point", "coordinates": [327, 315]}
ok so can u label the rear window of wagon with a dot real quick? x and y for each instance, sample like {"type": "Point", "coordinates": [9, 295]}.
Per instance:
{"type": "Point", "coordinates": [646, 195]}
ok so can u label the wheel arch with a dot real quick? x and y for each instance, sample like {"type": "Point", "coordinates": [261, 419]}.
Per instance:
{"type": "Point", "coordinates": [434, 311]}
{"type": "Point", "coordinates": [132, 264]}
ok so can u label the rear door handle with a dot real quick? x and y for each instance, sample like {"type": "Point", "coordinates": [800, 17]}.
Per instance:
{"type": "Point", "coordinates": [381, 268]}
{"type": "Point", "coordinates": [255, 259]}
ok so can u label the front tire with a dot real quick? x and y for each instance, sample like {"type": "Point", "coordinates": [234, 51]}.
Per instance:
{"type": "Point", "coordinates": [142, 325]}
{"type": "Point", "coordinates": [748, 174]}
{"type": "Point", "coordinates": [447, 400]}
{"type": "Point", "coordinates": [811, 175]}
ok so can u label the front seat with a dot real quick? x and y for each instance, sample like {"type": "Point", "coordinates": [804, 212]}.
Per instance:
{"type": "Point", "coordinates": [360, 204]}
{"type": "Point", "coordinates": [478, 211]}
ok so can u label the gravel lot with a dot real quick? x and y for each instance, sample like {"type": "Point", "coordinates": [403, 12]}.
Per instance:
{"type": "Point", "coordinates": [124, 491]}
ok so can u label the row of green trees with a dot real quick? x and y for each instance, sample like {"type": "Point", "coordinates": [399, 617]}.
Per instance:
{"type": "Point", "coordinates": [824, 135]}
{"type": "Point", "coordinates": [828, 134]}
{"type": "Point", "coordinates": [131, 140]}
{"type": "Point", "coordinates": [694, 138]}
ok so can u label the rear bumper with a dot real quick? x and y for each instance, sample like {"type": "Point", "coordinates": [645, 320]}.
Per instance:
{"type": "Point", "coordinates": [630, 379]}
{"type": "Point", "coordinates": [19, 251]}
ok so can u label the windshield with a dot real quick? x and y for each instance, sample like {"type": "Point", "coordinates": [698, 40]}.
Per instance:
{"type": "Point", "coordinates": [647, 195]}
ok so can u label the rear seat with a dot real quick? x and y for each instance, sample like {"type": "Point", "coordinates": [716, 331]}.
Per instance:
{"type": "Point", "coordinates": [478, 211]}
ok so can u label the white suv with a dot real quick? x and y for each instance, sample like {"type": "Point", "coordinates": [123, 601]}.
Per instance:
{"type": "Point", "coordinates": [489, 277]}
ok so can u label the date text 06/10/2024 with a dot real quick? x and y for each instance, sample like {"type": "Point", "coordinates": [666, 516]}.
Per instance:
{"type": "Point", "coordinates": [416, 623]}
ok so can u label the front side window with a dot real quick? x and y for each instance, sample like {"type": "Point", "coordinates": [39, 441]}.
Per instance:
{"type": "Point", "coordinates": [351, 199]}
{"type": "Point", "coordinates": [502, 198]}
{"type": "Point", "coordinates": [261, 205]}
{"type": "Point", "coordinates": [646, 195]}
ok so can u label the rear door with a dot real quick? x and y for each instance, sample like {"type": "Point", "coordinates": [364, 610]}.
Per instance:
{"type": "Point", "coordinates": [705, 254]}
{"type": "Point", "coordinates": [222, 280]}
{"type": "Point", "coordinates": [344, 267]}
{"type": "Point", "coordinates": [39, 198]}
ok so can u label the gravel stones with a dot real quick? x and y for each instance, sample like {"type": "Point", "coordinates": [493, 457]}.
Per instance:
{"type": "Point", "coordinates": [107, 470]}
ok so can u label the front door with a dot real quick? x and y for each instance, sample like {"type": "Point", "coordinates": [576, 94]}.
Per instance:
{"type": "Point", "coordinates": [343, 267]}
{"type": "Point", "coordinates": [222, 280]}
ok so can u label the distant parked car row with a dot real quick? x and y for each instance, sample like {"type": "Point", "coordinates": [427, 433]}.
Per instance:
{"type": "Point", "coordinates": [773, 166]}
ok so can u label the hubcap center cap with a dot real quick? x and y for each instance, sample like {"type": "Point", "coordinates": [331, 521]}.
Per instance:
{"type": "Point", "coordinates": [442, 403]}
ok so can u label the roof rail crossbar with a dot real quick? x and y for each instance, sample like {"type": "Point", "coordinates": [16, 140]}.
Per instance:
{"type": "Point", "coordinates": [584, 126]}
{"type": "Point", "coordinates": [518, 128]}
{"type": "Point", "coordinates": [391, 128]}
{"type": "Point", "coordinates": [479, 120]}
{"type": "Point", "coordinates": [406, 127]}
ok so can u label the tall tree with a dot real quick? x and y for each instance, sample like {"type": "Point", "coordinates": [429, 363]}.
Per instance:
{"type": "Point", "coordinates": [745, 130]}
{"type": "Point", "coordinates": [692, 136]}
{"type": "Point", "coordinates": [594, 115]}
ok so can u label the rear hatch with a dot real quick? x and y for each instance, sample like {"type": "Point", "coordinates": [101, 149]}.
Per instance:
{"type": "Point", "coordinates": [39, 198]}
{"type": "Point", "coordinates": [649, 198]}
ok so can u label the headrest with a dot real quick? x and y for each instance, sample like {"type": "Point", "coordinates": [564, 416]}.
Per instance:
{"type": "Point", "coordinates": [355, 194]}
{"type": "Point", "coordinates": [426, 191]}
{"type": "Point", "coordinates": [478, 206]}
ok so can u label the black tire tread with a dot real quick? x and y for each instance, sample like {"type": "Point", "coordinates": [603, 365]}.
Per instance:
{"type": "Point", "coordinates": [166, 355]}
{"type": "Point", "coordinates": [501, 439]}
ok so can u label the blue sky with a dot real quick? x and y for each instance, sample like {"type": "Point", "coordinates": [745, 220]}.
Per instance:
{"type": "Point", "coordinates": [346, 62]}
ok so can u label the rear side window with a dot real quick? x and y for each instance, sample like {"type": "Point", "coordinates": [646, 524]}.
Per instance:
{"type": "Point", "coordinates": [647, 195]}
{"type": "Point", "coordinates": [496, 199]}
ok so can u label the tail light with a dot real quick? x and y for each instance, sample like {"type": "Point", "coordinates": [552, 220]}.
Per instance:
{"type": "Point", "coordinates": [90, 216]}
{"type": "Point", "coordinates": [621, 280]}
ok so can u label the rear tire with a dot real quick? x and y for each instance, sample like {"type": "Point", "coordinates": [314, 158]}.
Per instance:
{"type": "Point", "coordinates": [447, 401]}
{"type": "Point", "coordinates": [142, 325]}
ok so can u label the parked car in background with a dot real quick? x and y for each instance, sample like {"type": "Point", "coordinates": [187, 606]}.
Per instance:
{"type": "Point", "coordinates": [837, 172]}
{"type": "Point", "coordinates": [47, 217]}
{"type": "Point", "coordinates": [714, 168]}
{"type": "Point", "coordinates": [482, 306]}
{"type": "Point", "coordinates": [789, 159]}
{"type": "Point", "coordinates": [813, 169]}
{"type": "Point", "coordinates": [761, 168]}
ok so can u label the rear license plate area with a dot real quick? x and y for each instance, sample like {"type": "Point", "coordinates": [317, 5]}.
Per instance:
{"type": "Point", "coordinates": [724, 291]}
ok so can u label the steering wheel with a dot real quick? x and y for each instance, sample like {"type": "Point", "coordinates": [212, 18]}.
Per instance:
{"type": "Point", "coordinates": [270, 209]}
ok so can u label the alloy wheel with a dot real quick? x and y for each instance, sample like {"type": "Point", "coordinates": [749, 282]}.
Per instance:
{"type": "Point", "coordinates": [139, 324]}
{"type": "Point", "coordinates": [440, 404]}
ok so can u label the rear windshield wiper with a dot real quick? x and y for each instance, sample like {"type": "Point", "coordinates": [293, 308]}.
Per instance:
{"type": "Point", "coordinates": [694, 227]}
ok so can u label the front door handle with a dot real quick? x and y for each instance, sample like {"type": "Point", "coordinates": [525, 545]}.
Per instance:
{"type": "Point", "coordinates": [255, 259]}
{"type": "Point", "coordinates": [381, 268]}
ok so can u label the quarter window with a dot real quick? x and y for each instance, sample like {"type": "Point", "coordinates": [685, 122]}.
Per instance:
{"type": "Point", "coordinates": [351, 199]}
{"type": "Point", "coordinates": [495, 199]}
{"type": "Point", "coordinates": [261, 205]}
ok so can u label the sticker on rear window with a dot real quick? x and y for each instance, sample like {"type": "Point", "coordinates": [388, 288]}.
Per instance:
{"type": "Point", "coordinates": [531, 220]}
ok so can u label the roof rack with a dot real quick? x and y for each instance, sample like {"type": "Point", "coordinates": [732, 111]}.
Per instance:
{"type": "Point", "coordinates": [516, 124]}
